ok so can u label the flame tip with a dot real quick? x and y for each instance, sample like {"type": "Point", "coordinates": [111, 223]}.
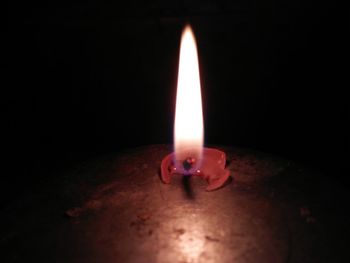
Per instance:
{"type": "Point", "coordinates": [187, 30]}
{"type": "Point", "coordinates": [187, 26]}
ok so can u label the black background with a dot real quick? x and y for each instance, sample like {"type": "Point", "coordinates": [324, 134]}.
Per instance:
{"type": "Point", "coordinates": [86, 78]}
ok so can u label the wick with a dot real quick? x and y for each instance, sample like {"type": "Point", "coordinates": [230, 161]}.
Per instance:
{"type": "Point", "coordinates": [188, 163]}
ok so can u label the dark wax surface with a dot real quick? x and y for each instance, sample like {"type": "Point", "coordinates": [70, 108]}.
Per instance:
{"type": "Point", "coordinates": [116, 209]}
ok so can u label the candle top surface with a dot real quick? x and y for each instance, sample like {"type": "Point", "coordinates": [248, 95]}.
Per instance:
{"type": "Point", "coordinates": [118, 210]}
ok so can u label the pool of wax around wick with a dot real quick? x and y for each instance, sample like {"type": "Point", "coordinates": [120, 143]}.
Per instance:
{"type": "Point", "coordinates": [210, 166]}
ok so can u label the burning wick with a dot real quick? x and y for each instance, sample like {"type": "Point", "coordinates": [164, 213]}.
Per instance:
{"type": "Point", "coordinates": [188, 163]}
{"type": "Point", "coordinates": [190, 158]}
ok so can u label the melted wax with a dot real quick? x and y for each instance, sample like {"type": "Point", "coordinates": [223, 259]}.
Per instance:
{"type": "Point", "coordinates": [210, 167]}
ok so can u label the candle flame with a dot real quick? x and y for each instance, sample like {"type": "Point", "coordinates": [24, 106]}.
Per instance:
{"type": "Point", "coordinates": [188, 128]}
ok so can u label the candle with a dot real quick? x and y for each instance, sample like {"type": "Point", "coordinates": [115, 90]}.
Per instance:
{"type": "Point", "coordinates": [190, 158]}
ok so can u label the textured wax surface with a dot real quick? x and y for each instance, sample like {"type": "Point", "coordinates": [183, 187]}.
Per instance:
{"type": "Point", "coordinates": [116, 209]}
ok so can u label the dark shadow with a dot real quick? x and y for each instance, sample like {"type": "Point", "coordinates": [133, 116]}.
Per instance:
{"type": "Point", "coordinates": [229, 180]}
{"type": "Point", "coordinates": [159, 172]}
{"type": "Point", "coordinates": [187, 187]}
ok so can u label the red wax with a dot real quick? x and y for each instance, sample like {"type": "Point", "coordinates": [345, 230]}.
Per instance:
{"type": "Point", "coordinates": [211, 167]}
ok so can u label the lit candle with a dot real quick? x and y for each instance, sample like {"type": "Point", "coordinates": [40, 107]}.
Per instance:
{"type": "Point", "coordinates": [190, 158]}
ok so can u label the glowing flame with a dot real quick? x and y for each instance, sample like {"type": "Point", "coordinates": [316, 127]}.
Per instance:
{"type": "Point", "coordinates": [188, 128]}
